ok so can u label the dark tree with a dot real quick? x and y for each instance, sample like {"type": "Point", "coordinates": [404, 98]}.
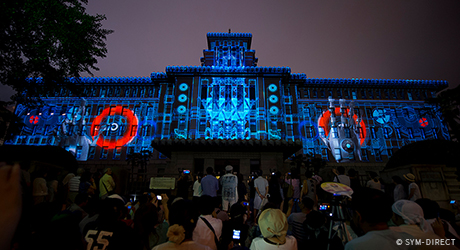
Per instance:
{"type": "Point", "coordinates": [44, 43]}
{"type": "Point", "coordinates": [449, 103]}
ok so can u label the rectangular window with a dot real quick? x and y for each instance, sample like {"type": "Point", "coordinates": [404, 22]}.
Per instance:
{"type": "Point", "coordinates": [354, 95]}
{"type": "Point", "coordinates": [373, 133]}
{"type": "Point", "coordinates": [288, 109]}
{"type": "Point", "coordinates": [435, 135]}
{"type": "Point", "coordinates": [409, 95]}
{"type": "Point", "coordinates": [91, 152]}
{"type": "Point", "coordinates": [339, 93]}
{"type": "Point", "coordinates": [364, 155]}
{"type": "Point", "coordinates": [133, 130]}
{"type": "Point", "coordinates": [78, 152]}
{"type": "Point", "coordinates": [104, 152]}
{"type": "Point", "coordinates": [378, 156]}
{"type": "Point", "coordinates": [117, 153]}
{"type": "Point", "coordinates": [363, 94]}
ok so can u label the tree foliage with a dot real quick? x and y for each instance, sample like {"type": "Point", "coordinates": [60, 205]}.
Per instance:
{"type": "Point", "coordinates": [449, 103]}
{"type": "Point", "coordinates": [44, 42]}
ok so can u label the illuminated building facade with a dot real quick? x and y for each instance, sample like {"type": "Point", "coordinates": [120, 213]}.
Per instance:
{"type": "Point", "coordinates": [229, 103]}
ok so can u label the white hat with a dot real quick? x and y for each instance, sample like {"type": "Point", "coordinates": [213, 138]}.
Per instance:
{"type": "Point", "coordinates": [228, 168]}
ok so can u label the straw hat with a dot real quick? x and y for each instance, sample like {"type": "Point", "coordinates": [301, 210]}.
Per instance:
{"type": "Point", "coordinates": [410, 177]}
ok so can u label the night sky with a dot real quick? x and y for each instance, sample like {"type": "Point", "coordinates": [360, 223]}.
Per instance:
{"type": "Point", "coordinates": [391, 39]}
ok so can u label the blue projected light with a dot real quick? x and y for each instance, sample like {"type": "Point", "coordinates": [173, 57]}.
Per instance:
{"type": "Point", "coordinates": [273, 99]}
{"type": "Point", "coordinates": [182, 98]}
{"type": "Point", "coordinates": [181, 109]}
{"type": "Point", "coordinates": [274, 110]}
{"type": "Point", "coordinates": [310, 125]}
{"type": "Point", "coordinates": [272, 88]}
{"type": "Point", "coordinates": [183, 86]}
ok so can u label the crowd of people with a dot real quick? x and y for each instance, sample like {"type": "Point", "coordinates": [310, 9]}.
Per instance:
{"type": "Point", "coordinates": [274, 211]}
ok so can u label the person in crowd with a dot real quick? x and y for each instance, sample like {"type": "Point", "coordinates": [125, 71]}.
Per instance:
{"type": "Point", "coordinates": [431, 213]}
{"type": "Point", "coordinates": [242, 190]}
{"type": "Point", "coordinates": [109, 227]}
{"type": "Point", "coordinates": [106, 184]}
{"type": "Point", "coordinates": [374, 181]}
{"type": "Point", "coordinates": [254, 231]}
{"type": "Point", "coordinates": [399, 192]}
{"type": "Point", "coordinates": [74, 185]}
{"type": "Point", "coordinates": [252, 192]}
{"type": "Point", "coordinates": [261, 188]}
{"type": "Point", "coordinates": [197, 190]}
{"type": "Point", "coordinates": [414, 191]}
{"type": "Point", "coordinates": [229, 183]}
{"type": "Point", "coordinates": [183, 220]}
{"type": "Point", "coordinates": [317, 234]}
{"type": "Point", "coordinates": [10, 211]}
{"type": "Point", "coordinates": [409, 218]}
{"type": "Point", "coordinates": [92, 211]}
{"type": "Point", "coordinates": [273, 226]}
{"type": "Point", "coordinates": [53, 185]}
{"type": "Point", "coordinates": [295, 222]}
{"type": "Point", "coordinates": [87, 184]}
{"type": "Point", "coordinates": [340, 176]}
{"type": "Point", "coordinates": [449, 216]}
{"type": "Point", "coordinates": [147, 224]}
{"type": "Point", "coordinates": [309, 189]}
{"type": "Point", "coordinates": [275, 194]}
{"type": "Point", "coordinates": [208, 230]}
{"type": "Point", "coordinates": [79, 205]}
{"type": "Point", "coordinates": [209, 183]}
{"type": "Point", "coordinates": [293, 178]}
{"type": "Point", "coordinates": [238, 217]}
{"type": "Point", "coordinates": [372, 211]}
{"type": "Point", "coordinates": [183, 184]}
{"type": "Point", "coordinates": [219, 213]}
{"type": "Point", "coordinates": [39, 187]}
{"type": "Point", "coordinates": [355, 183]}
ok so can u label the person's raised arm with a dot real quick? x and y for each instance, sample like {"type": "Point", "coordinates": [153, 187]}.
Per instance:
{"type": "Point", "coordinates": [164, 202]}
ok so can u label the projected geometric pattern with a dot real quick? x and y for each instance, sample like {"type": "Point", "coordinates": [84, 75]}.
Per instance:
{"type": "Point", "coordinates": [229, 97]}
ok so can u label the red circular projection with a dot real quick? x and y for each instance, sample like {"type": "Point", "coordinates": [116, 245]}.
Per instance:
{"type": "Point", "coordinates": [325, 122]}
{"type": "Point", "coordinates": [423, 122]}
{"type": "Point", "coordinates": [128, 134]}
{"type": "Point", "coordinates": [34, 119]}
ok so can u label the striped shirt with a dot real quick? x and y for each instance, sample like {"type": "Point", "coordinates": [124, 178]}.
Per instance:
{"type": "Point", "coordinates": [74, 184]}
{"type": "Point", "coordinates": [295, 221]}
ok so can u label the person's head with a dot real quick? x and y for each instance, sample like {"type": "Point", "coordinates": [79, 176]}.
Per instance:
{"type": "Point", "coordinates": [238, 213]}
{"type": "Point", "coordinates": [430, 208]}
{"type": "Point", "coordinates": [314, 220]}
{"type": "Point", "coordinates": [207, 204]}
{"type": "Point", "coordinates": [111, 209]}
{"type": "Point", "coordinates": [409, 213]}
{"type": "Point", "coordinates": [182, 220]}
{"type": "Point", "coordinates": [373, 175]}
{"type": "Point", "coordinates": [209, 170]}
{"type": "Point", "coordinates": [145, 219]}
{"type": "Point", "coordinates": [108, 171]}
{"type": "Point", "coordinates": [258, 173]}
{"type": "Point", "coordinates": [409, 177]}
{"type": "Point", "coordinates": [341, 170]}
{"type": "Point", "coordinates": [307, 203]}
{"type": "Point", "coordinates": [80, 171]}
{"type": "Point", "coordinates": [372, 209]}
{"type": "Point", "coordinates": [351, 172]}
{"type": "Point", "coordinates": [397, 180]}
{"type": "Point", "coordinates": [273, 225]}
{"type": "Point", "coordinates": [229, 169]}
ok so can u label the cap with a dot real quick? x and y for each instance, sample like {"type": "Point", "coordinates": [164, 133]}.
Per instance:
{"type": "Point", "coordinates": [273, 225]}
{"type": "Point", "coordinates": [228, 168]}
